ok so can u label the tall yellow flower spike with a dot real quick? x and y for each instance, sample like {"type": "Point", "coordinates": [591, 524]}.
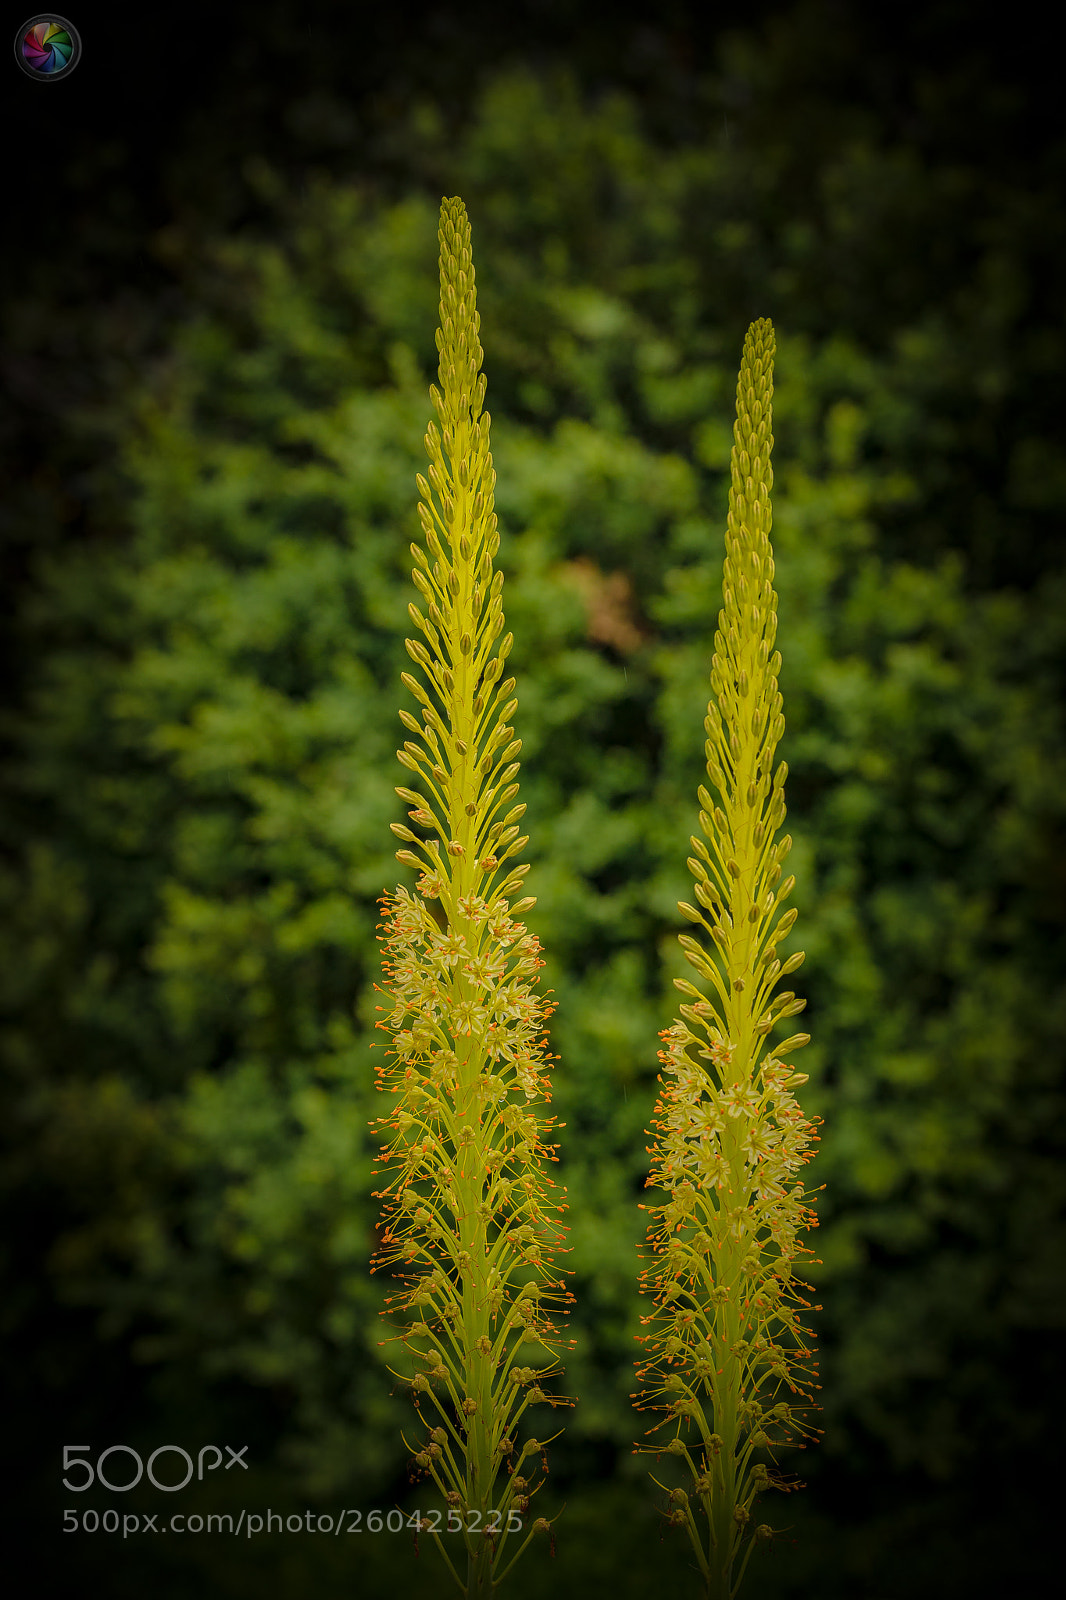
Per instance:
{"type": "Point", "coordinates": [470, 1215]}
{"type": "Point", "coordinates": [726, 1358]}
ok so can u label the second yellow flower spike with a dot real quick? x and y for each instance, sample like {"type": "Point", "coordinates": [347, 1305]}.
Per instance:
{"type": "Point", "coordinates": [727, 1360]}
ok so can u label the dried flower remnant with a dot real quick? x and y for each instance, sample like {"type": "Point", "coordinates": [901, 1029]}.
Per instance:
{"type": "Point", "coordinates": [727, 1360]}
{"type": "Point", "coordinates": [471, 1216]}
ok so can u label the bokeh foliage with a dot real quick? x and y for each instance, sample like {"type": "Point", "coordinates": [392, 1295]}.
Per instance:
{"type": "Point", "coordinates": [202, 774]}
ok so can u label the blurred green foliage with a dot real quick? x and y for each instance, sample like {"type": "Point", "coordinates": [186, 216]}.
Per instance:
{"type": "Point", "coordinates": [203, 772]}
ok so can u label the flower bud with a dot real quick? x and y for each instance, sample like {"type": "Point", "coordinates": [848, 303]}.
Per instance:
{"type": "Point", "coordinates": [795, 1042]}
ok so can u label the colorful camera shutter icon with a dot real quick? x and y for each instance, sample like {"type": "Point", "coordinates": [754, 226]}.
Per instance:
{"type": "Point", "coordinates": [47, 47]}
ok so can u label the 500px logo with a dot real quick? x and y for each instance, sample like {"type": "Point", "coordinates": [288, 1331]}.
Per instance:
{"type": "Point", "coordinates": [74, 1454]}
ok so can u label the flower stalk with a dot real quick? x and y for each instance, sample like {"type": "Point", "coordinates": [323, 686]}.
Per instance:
{"type": "Point", "coordinates": [470, 1216]}
{"type": "Point", "coordinates": [726, 1358]}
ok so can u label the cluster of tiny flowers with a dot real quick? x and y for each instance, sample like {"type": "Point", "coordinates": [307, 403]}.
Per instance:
{"type": "Point", "coordinates": [764, 1220]}
{"type": "Point", "coordinates": [722, 1278]}
{"type": "Point", "coordinates": [428, 1139]}
{"type": "Point", "coordinates": [775, 1137]}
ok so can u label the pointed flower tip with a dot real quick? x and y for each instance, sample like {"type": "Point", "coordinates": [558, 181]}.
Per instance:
{"type": "Point", "coordinates": [760, 343]}
{"type": "Point", "coordinates": [454, 222]}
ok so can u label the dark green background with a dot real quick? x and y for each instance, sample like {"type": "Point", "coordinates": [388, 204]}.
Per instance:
{"type": "Point", "coordinates": [219, 313]}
